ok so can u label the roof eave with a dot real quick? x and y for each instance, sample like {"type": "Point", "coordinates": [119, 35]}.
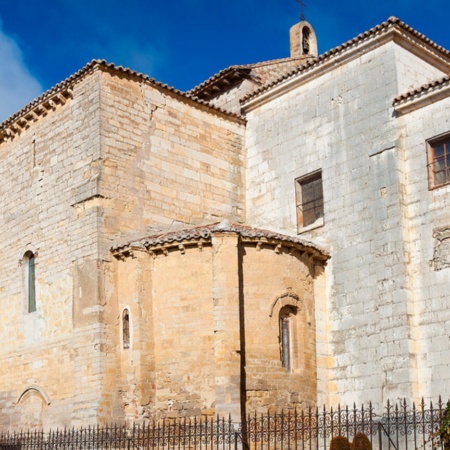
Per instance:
{"type": "Point", "coordinates": [422, 97]}
{"type": "Point", "coordinates": [63, 91]}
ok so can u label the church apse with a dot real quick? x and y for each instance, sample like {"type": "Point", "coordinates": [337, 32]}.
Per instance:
{"type": "Point", "coordinates": [211, 302]}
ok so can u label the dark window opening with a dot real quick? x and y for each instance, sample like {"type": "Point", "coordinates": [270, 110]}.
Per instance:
{"type": "Point", "coordinates": [126, 329]}
{"type": "Point", "coordinates": [287, 315]}
{"type": "Point", "coordinates": [309, 200]}
{"type": "Point", "coordinates": [31, 281]}
{"type": "Point", "coordinates": [305, 40]}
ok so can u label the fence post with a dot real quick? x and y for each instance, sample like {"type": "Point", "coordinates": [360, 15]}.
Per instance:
{"type": "Point", "coordinates": [380, 440]}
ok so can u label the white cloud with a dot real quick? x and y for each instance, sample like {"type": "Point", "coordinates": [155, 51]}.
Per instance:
{"type": "Point", "coordinates": [17, 85]}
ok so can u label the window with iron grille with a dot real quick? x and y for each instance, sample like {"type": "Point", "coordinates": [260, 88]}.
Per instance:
{"type": "Point", "coordinates": [439, 162]}
{"type": "Point", "coordinates": [309, 195]}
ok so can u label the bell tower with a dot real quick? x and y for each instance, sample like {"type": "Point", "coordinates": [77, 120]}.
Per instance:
{"type": "Point", "coordinates": [302, 37]}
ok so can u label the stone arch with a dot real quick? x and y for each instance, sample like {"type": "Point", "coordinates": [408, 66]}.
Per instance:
{"type": "Point", "coordinates": [38, 391]}
{"type": "Point", "coordinates": [285, 299]}
{"type": "Point", "coordinates": [32, 403]}
{"type": "Point", "coordinates": [303, 40]}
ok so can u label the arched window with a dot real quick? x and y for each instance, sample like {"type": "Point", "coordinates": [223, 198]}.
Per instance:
{"type": "Point", "coordinates": [30, 280]}
{"type": "Point", "coordinates": [287, 315]}
{"type": "Point", "coordinates": [125, 329]}
{"type": "Point", "coordinates": [305, 40]}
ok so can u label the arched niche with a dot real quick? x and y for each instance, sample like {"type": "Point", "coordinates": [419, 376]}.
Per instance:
{"type": "Point", "coordinates": [32, 403]}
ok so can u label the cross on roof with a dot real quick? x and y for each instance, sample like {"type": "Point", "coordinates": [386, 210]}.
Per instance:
{"type": "Point", "coordinates": [302, 9]}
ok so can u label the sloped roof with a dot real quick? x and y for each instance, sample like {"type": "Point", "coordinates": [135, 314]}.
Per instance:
{"type": "Point", "coordinates": [261, 73]}
{"type": "Point", "coordinates": [61, 92]}
{"type": "Point", "coordinates": [425, 88]}
{"type": "Point", "coordinates": [391, 22]}
{"type": "Point", "coordinates": [206, 231]}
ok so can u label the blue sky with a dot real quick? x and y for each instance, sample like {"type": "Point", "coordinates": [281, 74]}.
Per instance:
{"type": "Point", "coordinates": [178, 42]}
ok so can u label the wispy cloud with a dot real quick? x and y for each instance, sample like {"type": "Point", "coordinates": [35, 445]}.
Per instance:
{"type": "Point", "coordinates": [17, 84]}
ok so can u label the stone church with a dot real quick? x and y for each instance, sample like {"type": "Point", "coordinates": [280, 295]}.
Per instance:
{"type": "Point", "coordinates": [277, 237]}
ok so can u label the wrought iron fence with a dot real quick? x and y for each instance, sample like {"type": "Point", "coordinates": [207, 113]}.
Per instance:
{"type": "Point", "coordinates": [400, 427]}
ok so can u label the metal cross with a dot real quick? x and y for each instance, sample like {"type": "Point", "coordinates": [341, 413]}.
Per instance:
{"type": "Point", "coordinates": [302, 11]}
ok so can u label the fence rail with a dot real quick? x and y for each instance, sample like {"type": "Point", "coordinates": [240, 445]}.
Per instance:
{"type": "Point", "coordinates": [399, 427]}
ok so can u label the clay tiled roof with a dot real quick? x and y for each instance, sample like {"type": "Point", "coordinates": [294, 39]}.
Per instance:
{"type": "Point", "coordinates": [261, 73]}
{"type": "Point", "coordinates": [205, 232]}
{"type": "Point", "coordinates": [391, 22]}
{"type": "Point", "coordinates": [60, 93]}
{"type": "Point", "coordinates": [424, 89]}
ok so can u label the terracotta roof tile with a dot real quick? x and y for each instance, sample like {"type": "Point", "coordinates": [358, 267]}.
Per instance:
{"type": "Point", "coordinates": [261, 73]}
{"type": "Point", "coordinates": [206, 231]}
{"type": "Point", "coordinates": [392, 21]}
{"type": "Point", "coordinates": [422, 89]}
{"type": "Point", "coordinates": [69, 82]}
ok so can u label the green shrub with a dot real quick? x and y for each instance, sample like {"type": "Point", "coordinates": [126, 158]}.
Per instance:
{"type": "Point", "coordinates": [340, 443]}
{"type": "Point", "coordinates": [443, 433]}
{"type": "Point", "coordinates": [361, 442]}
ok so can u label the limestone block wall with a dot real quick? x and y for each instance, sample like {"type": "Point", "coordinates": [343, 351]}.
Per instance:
{"type": "Point", "coordinates": [205, 329]}
{"type": "Point", "coordinates": [169, 368]}
{"type": "Point", "coordinates": [230, 99]}
{"type": "Point", "coordinates": [429, 218]}
{"type": "Point", "coordinates": [52, 356]}
{"type": "Point", "coordinates": [341, 122]}
{"type": "Point", "coordinates": [272, 282]}
{"type": "Point", "coordinates": [166, 161]}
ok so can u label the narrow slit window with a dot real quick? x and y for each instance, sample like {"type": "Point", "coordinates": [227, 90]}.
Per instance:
{"type": "Point", "coordinates": [285, 343]}
{"type": "Point", "coordinates": [286, 317]}
{"type": "Point", "coordinates": [126, 329]}
{"type": "Point", "coordinates": [30, 274]}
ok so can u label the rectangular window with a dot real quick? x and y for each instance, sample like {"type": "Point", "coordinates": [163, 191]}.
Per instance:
{"type": "Point", "coordinates": [309, 194]}
{"type": "Point", "coordinates": [439, 162]}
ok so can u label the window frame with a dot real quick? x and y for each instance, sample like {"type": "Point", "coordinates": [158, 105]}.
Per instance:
{"type": "Point", "coordinates": [431, 145]}
{"type": "Point", "coordinates": [299, 203]}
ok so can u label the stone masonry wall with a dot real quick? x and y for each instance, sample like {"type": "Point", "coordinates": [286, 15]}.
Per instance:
{"type": "Point", "coordinates": [429, 218]}
{"type": "Point", "coordinates": [165, 164]}
{"type": "Point", "coordinates": [52, 355]}
{"type": "Point", "coordinates": [342, 123]}
{"type": "Point", "coordinates": [165, 161]}
{"type": "Point", "coordinates": [272, 281]}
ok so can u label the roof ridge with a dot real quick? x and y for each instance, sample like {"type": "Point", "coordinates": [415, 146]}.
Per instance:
{"type": "Point", "coordinates": [101, 63]}
{"type": "Point", "coordinates": [216, 76]}
{"type": "Point", "coordinates": [250, 66]}
{"type": "Point", "coordinates": [280, 60]}
{"type": "Point", "coordinates": [384, 25]}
